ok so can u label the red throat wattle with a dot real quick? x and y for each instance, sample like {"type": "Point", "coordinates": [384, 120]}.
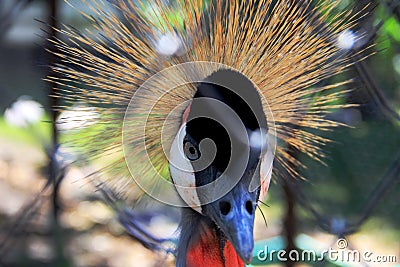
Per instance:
{"type": "Point", "coordinates": [207, 251]}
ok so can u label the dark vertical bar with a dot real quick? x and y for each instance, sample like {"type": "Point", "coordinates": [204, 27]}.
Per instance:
{"type": "Point", "coordinates": [53, 105]}
{"type": "Point", "coordinates": [55, 173]}
{"type": "Point", "coordinates": [289, 223]}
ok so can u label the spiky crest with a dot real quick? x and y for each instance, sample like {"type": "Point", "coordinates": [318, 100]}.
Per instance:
{"type": "Point", "coordinates": [285, 48]}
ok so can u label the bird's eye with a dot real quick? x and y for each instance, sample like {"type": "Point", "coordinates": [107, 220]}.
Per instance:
{"type": "Point", "coordinates": [191, 151]}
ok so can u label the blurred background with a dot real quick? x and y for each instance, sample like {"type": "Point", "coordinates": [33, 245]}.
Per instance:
{"type": "Point", "coordinates": [44, 222]}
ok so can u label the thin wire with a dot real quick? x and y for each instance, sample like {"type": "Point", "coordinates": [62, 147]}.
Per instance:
{"type": "Point", "coordinates": [263, 203]}
{"type": "Point", "coordinates": [262, 214]}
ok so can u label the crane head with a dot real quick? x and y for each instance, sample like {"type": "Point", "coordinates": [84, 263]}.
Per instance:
{"type": "Point", "coordinates": [222, 144]}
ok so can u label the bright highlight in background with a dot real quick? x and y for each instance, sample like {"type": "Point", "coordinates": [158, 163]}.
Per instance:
{"type": "Point", "coordinates": [346, 40]}
{"type": "Point", "coordinates": [77, 117]}
{"type": "Point", "coordinates": [168, 44]}
{"type": "Point", "coordinates": [24, 112]}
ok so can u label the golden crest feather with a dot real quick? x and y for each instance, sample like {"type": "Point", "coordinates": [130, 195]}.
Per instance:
{"type": "Point", "coordinates": [283, 47]}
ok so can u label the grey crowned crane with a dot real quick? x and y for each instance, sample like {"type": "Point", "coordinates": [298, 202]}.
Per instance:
{"type": "Point", "coordinates": [190, 96]}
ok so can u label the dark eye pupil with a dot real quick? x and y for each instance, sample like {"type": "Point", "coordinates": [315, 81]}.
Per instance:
{"type": "Point", "coordinates": [191, 151]}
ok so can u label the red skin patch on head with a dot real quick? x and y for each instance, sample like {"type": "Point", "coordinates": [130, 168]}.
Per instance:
{"type": "Point", "coordinates": [186, 113]}
{"type": "Point", "coordinates": [206, 251]}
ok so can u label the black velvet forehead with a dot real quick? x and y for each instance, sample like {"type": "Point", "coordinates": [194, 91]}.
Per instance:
{"type": "Point", "coordinates": [235, 90]}
{"type": "Point", "coordinates": [210, 119]}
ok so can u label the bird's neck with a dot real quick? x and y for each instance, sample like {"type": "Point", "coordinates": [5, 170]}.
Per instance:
{"type": "Point", "coordinates": [203, 244]}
